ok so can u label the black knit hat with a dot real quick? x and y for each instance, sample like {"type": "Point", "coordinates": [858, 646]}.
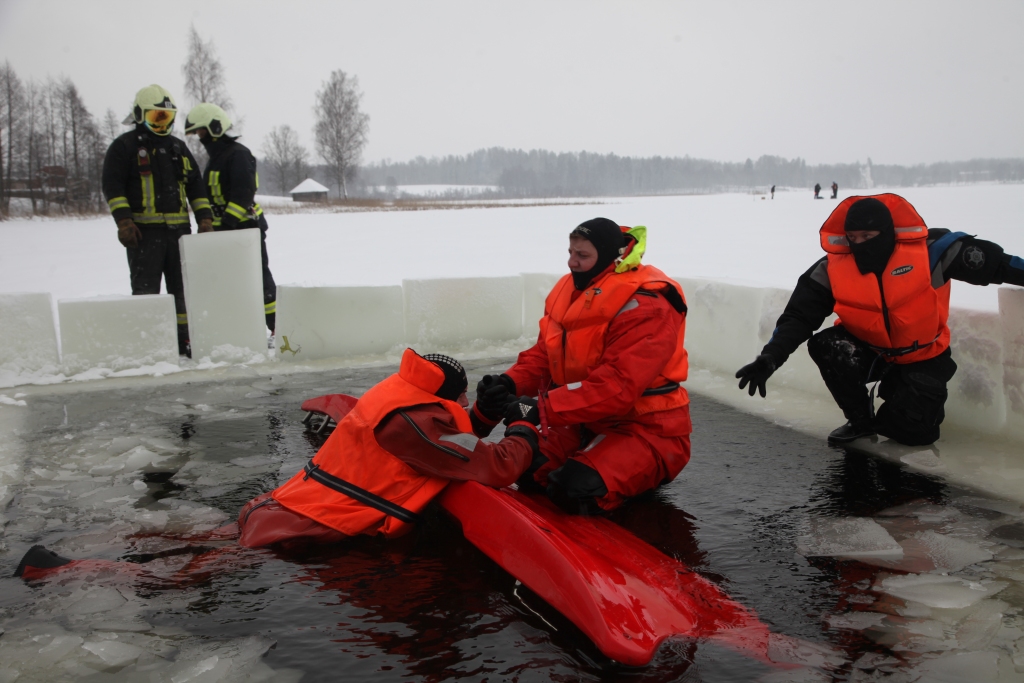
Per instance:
{"type": "Point", "coordinates": [455, 380]}
{"type": "Point", "coordinates": [608, 240]}
{"type": "Point", "coordinates": [868, 214]}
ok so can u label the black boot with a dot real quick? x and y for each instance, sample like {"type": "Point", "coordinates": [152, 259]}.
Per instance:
{"type": "Point", "coordinates": [40, 558]}
{"type": "Point", "coordinates": [851, 431]}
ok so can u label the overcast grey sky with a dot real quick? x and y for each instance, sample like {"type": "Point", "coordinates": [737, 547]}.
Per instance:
{"type": "Point", "coordinates": [900, 82]}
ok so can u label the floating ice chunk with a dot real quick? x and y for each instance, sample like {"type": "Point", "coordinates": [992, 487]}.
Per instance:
{"type": "Point", "coordinates": [133, 460]}
{"type": "Point", "coordinates": [58, 648]}
{"type": "Point", "coordinates": [934, 590]}
{"type": "Point", "coordinates": [980, 627]}
{"type": "Point", "coordinates": [253, 461]}
{"type": "Point", "coordinates": [945, 552]}
{"type": "Point", "coordinates": [958, 667]}
{"type": "Point", "coordinates": [854, 621]}
{"type": "Point", "coordinates": [1010, 534]}
{"type": "Point", "coordinates": [924, 461]}
{"type": "Point", "coordinates": [7, 400]}
{"type": "Point", "coordinates": [848, 537]}
{"type": "Point", "coordinates": [872, 660]}
{"type": "Point", "coordinates": [114, 653]}
{"type": "Point", "coordinates": [95, 601]}
{"type": "Point", "coordinates": [1006, 507]}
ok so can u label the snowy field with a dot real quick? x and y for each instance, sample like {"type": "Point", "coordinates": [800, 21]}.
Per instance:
{"type": "Point", "coordinates": [733, 237]}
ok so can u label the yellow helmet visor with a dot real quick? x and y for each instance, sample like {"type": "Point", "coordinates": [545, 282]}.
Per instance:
{"type": "Point", "coordinates": [159, 120]}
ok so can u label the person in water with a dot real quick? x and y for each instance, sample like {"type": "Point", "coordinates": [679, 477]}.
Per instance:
{"type": "Point", "coordinates": [397, 449]}
{"type": "Point", "coordinates": [887, 276]}
{"type": "Point", "coordinates": [601, 386]}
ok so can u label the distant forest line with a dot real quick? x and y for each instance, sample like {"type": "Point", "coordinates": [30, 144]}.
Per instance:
{"type": "Point", "coordinates": [540, 173]}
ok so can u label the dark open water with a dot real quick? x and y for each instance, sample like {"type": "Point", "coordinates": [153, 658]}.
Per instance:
{"type": "Point", "coordinates": [429, 606]}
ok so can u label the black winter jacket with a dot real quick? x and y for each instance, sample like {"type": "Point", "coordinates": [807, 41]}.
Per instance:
{"type": "Point", "coordinates": [231, 181]}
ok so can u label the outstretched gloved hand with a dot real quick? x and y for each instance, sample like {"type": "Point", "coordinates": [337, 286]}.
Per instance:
{"type": "Point", "coordinates": [205, 225]}
{"type": "Point", "coordinates": [757, 373]}
{"type": "Point", "coordinates": [493, 394]}
{"type": "Point", "coordinates": [128, 233]}
{"type": "Point", "coordinates": [523, 409]}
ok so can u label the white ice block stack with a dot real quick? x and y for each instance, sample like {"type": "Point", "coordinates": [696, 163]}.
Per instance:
{"type": "Point", "coordinates": [28, 338]}
{"type": "Point", "coordinates": [536, 287]}
{"type": "Point", "coordinates": [223, 273]}
{"type": "Point", "coordinates": [1011, 312]}
{"type": "Point", "coordinates": [976, 397]}
{"type": "Point", "coordinates": [117, 332]}
{"type": "Point", "coordinates": [334, 322]}
{"type": "Point", "coordinates": [722, 323]}
{"type": "Point", "coordinates": [451, 312]}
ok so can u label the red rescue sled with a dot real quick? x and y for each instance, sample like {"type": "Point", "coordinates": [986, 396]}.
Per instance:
{"type": "Point", "coordinates": [624, 594]}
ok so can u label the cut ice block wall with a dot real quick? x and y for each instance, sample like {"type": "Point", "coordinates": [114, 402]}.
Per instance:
{"type": "Point", "coordinates": [117, 332]}
{"type": "Point", "coordinates": [223, 273]}
{"type": "Point", "coordinates": [326, 322]}
{"type": "Point", "coordinates": [536, 287]}
{"type": "Point", "coordinates": [722, 323]}
{"type": "Point", "coordinates": [976, 396]}
{"type": "Point", "coordinates": [452, 311]}
{"type": "Point", "coordinates": [28, 337]}
{"type": "Point", "coordinates": [1011, 312]}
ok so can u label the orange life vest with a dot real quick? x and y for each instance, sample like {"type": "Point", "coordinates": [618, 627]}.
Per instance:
{"type": "Point", "coordinates": [574, 331]}
{"type": "Point", "coordinates": [900, 314]}
{"type": "Point", "coordinates": [353, 456]}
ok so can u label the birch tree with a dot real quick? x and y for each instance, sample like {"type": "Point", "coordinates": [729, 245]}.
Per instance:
{"type": "Point", "coordinates": [286, 156]}
{"type": "Point", "coordinates": [341, 128]}
{"type": "Point", "coordinates": [204, 82]}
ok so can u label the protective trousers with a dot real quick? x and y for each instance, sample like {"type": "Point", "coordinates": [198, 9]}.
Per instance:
{"type": "Point", "coordinates": [914, 393]}
{"type": "Point", "coordinates": [631, 455]}
{"type": "Point", "coordinates": [269, 286]}
{"type": "Point", "coordinates": [157, 256]}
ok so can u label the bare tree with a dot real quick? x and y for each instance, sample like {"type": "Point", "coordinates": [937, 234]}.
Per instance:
{"type": "Point", "coordinates": [111, 127]}
{"type": "Point", "coordinates": [286, 155]}
{"type": "Point", "coordinates": [12, 111]}
{"type": "Point", "coordinates": [341, 127]}
{"type": "Point", "coordinates": [204, 82]}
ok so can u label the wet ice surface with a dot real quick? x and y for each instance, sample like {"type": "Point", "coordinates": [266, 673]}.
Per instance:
{"type": "Point", "coordinates": [865, 571]}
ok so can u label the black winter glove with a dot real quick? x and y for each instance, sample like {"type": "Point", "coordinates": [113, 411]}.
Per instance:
{"type": "Point", "coordinates": [493, 394]}
{"type": "Point", "coordinates": [757, 373]}
{"type": "Point", "coordinates": [523, 409]}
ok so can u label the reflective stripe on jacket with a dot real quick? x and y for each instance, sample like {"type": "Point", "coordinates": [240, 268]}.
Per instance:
{"type": "Point", "coordinates": [353, 455]}
{"type": "Point", "coordinates": [900, 312]}
{"type": "Point", "coordinates": [573, 330]}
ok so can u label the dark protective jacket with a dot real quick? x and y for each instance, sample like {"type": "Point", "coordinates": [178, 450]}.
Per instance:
{"type": "Point", "coordinates": [951, 256]}
{"type": "Point", "coordinates": [232, 180]}
{"type": "Point", "coordinates": [148, 178]}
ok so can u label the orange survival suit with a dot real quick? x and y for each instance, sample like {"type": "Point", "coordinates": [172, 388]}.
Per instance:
{"type": "Point", "coordinates": [607, 368]}
{"type": "Point", "coordinates": [355, 486]}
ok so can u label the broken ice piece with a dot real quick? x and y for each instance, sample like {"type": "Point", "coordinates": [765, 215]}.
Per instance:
{"type": "Point", "coordinates": [854, 621]}
{"type": "Point", "coordinates": [851, 537]}
{"type": "Point", "coordinates": [946, 553]}
{"type": "Point", "coordinates": [923, 461]}
{"type": "Point", "coordinates": [1010, 534]}
{"type": "Point", "coordinates": [935, 590]}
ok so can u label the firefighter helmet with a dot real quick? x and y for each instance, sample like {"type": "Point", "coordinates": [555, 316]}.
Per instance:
{"type": "Point", "coordinates": [209, 116]}
{"type": "Point", "coordinates": [154, 99]}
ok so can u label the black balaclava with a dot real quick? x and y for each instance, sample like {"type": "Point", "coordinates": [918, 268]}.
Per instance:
{"type": "Point", "coordinates": [871, 214]}
{"type": "Point", "coordinates": [455, 381]}
{"type": "Point", "coordinates": [607, 238]}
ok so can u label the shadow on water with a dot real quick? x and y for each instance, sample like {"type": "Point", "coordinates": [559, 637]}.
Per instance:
{"type": "Point", "coordinates": [431, 607]}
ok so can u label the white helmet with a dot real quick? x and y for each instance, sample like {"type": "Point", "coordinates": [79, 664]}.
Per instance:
{"type": "Point", "coordinates": [155, 108]}
{"type": "Point", "coordinates": [209, 116]}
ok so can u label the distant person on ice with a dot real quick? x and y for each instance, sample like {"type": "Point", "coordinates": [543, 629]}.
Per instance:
{"type": "Point", "coordinates": [232, 182]}
{"type": "Point", "coordinates": [773, 192]}
{"type": "Point", "coordinates": [147, 174]}
{"type": "Point", "coordinates": [817, 190]}
{"type": "Point", "coordinates": [602, 383]}
{"type": "Point", "coordinates": [887, 277]}
{"type": "Point", "coordinates": [835, 190]}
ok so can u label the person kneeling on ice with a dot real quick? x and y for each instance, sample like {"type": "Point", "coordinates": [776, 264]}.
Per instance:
{"type": "Point", "coordinates": [404, 440]}
{"type": "Point", "coordinates": [602, 383]}
{"type": "Point", "coordinates": [887, 276]}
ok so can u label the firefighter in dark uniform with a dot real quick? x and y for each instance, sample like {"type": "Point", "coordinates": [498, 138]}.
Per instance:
{"type": "Point", "coordinates": [231, 181]}
{"type": "Point", "coordinates": [147, 176]}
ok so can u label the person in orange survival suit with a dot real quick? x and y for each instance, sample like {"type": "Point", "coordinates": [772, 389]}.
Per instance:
{"type": "Point", "coordinates": [887, 276]}
{"type": "Point", "coordinates": [404, 440]}
{"type": "Point", "coordinates": [602, 384]}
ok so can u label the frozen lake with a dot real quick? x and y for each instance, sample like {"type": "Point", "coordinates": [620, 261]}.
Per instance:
{"type": "Point", "coordinates": [741, 238]}
{"type": "Point", "coordinates": [867, 571]}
